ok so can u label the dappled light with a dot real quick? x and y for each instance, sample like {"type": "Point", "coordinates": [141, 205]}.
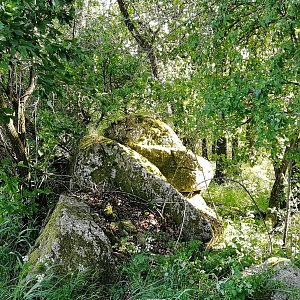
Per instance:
{"type": "Point", "coordinates": [149, 150]}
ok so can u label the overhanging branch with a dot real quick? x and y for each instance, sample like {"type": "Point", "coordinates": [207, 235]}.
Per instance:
{"type": "Point", "coordinates": [140, 39]}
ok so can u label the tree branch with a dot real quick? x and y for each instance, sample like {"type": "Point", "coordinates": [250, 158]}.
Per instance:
{"type": "Point", "coordinates": [142, 41]}
{"type": "Point", "coordinates": [31, 86]}
{"type": "Point", "coordinates": [292, 82]}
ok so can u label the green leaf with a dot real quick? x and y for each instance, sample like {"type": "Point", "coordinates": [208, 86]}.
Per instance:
{"type": "Point", "coordinates": [6, 114]}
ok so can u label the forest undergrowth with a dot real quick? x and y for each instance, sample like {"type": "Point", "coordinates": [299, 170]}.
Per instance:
{"type": "Point", "coordinates": [188, 271]}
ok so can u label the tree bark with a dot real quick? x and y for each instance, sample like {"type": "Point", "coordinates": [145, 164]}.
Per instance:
{"type": "Point", "coordinates": [295, 184]}
{"type": "Point", "coordinates": [288, 208]}
{"type": "Point", "coordinates": [234, 148]}
{"type": "Point", "coordinates": [15, 128]}
{"type": "Point", "coordinates": [221, 151]}
{"type": "Point", "coordinates": [141, 39]}
{"type": "Point", "coordinates": [277, 192]}
{"type": "Point", "coordinates": [250, 143]}
{"type": "Point", "coordinates": [19, 150]}
{"type": "Point", "coordinates": [277, 195]}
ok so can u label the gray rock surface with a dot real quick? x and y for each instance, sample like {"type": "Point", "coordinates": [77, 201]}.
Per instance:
{"type": "Point", "coordinates": [71, 242]}
{"type": "Point", "coordinates": [286, 274]}
{"type": "Point", "coordinates": [104, 164]}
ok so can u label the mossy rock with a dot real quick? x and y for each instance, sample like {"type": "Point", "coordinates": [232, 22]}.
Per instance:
{"type": "Point", "coordinates": [106, 165]}
{"type": "Point", "coordinates": [283, 273]}
{"type": "Point", "coordinates": [186, 171]}
{"type": "Point", "coordinates": [71, 242]}
{"type": "Point", "coordinates": [157, 142]}
{"type": "Point", "coordinates": [143, 130]}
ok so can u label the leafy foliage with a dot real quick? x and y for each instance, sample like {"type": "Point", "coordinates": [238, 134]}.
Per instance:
{"type": "Point", "coordinates": [226, 68]}
{"type": "Point", "coordinates": [15, 200]}
{"type": "Point", "coordinates": [251, 71]}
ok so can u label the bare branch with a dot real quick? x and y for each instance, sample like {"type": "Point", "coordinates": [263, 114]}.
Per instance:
{"type": "Point", "coordinates": [31, 86]}
{"type": "Point", "coordinates": [293, 82]}
{"type": "Point", "coordinates": [141, 40]}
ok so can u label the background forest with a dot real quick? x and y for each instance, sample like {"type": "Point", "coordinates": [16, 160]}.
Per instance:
{"type": "Point", "coordinates": [224, 74]}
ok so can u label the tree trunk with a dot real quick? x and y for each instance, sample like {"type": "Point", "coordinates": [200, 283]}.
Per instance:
{"type": "Point", "coordinates": [295, 185]}
{"type": "Point", "coordinates": [277, 195]}
{"type": "Point", "coordinates": [141, 37]}
{"type": "Point", "coordinates": [19, 150]}
{"type": "Point", "coordinates": [288, 208]}
{"type": "Point", "coordinates": [213, 149]}
{"type": "Point", "coordinates": [234, 148]}
{"type": "Point", "coordinates": [221, 151]}
{"type": "Point", "coordinates": [250, 144]}
{"type": "Point", "coordinates": [204, 148]}
{"type": "Point", "coordinates": [15, 127]}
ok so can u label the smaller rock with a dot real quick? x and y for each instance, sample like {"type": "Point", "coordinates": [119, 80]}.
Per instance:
{"type": "Point", "coordinates": [285, 272]}
{"type": "Point", "coordinates": [71, 242]}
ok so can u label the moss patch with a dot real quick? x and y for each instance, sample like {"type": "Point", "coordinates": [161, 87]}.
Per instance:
{"type": "Point", "coordinates": [107, 165]}
{"type": "Point", "coordinates": [180, 166]}
{"type": "Point", "coordinates": [144, 130]}
{"type": "Point", "coordinates": [70, 242]}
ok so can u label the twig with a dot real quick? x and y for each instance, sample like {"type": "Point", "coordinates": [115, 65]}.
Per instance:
{"type": "Point", "coordinates": [181, 225]}
{"type": "Point", "coordinates": [288, 206]}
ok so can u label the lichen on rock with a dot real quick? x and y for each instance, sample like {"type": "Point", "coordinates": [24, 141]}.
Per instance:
{"type": "Point", "coordinates": [157, 142]}
{"type": "Point", "coordinates": [107, 165]}
{"type": "Point", "coordinates": [71, 242]}
{"type": "Point", "coordinates": [143, 130]}
{"type": "Point", "coordinates": [186, 171]}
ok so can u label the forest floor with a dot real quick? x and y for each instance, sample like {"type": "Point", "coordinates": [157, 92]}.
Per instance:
{"type": "Point", "coordinates": [154, 262]}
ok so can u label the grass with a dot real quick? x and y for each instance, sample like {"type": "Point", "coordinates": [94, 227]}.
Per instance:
{"type": "Point", "coordinates": [233, 200]}
{"type": "Point", "coordinates": [14, 244]}
{"type": "Point", "coordinates": [190, 273]}
{"type": "Point", "coordinates": [187, 274]}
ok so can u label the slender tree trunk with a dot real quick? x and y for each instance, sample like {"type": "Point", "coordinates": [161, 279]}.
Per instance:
{"type": "Point", "coordinates": [142, 38]}
{"type": "Point", "coordinates": [288, 207]}
{"type": "Point", "coordinates": [235, 167]}
{"type": "Point", "coordinates": [221, 151]}
{"type": "Point", "coordinates": [189, 142]}
{"type": "Point", "coordinates": [295, 184]}
{"type": "Point", "coordinates": [15, 128]}
{"type": "Point", "coordinates": [277, 195]}
{"type": "Point", "coordinates": [19, 149]}
{"type": "Point", "coordinates": [250, 144]}
{"type": "Point", "coordinates": [204, 148]}
{"type": "Point", "coordinates": [213, 148]}
{"type": "Point", "coordinates": [234, 148]}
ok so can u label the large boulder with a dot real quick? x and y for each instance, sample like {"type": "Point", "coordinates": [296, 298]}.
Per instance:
{"type": "Point", "coordinates": [104, 164]}
{"type": "Point", "coordinates": [157, 142]}
{"type": "Point", "coordinates": [186, 171]}
{"type": "Point", "coordinates": [71, 242]}
{"type": "Point", "coordinates": [143, 130]}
